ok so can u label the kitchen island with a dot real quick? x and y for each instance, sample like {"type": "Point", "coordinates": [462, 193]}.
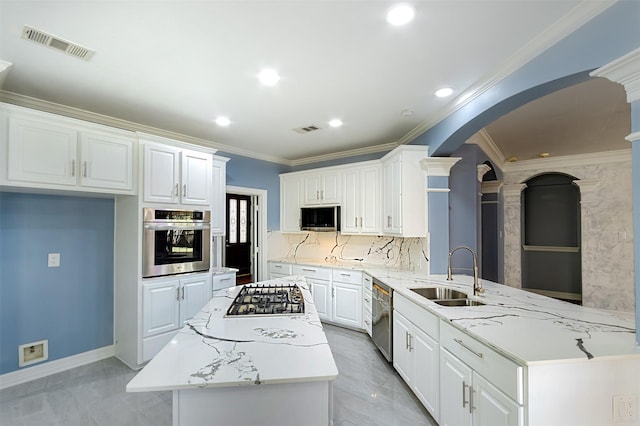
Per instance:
{"type": "Point", "coordinates": [273, 369]}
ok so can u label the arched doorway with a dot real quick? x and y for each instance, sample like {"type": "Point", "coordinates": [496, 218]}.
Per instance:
{"type": "Point", "coordinates": [489, 237]}
{"type": "Point", "coordinates": [551, 237]}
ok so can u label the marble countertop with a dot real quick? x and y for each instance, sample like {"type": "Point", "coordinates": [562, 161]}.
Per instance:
{"type": "Point", "coordinates": [214, 351]}
{"type": "Point", "coordinates": [524, 326]}
{"type": "Point", "coordinates": [527, 327]}
{"type": "Point", "coordinates": [221, 270]}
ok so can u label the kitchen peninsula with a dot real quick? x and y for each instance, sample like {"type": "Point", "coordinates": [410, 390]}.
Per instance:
{"type": "Point", "coordinates": [274, 369]}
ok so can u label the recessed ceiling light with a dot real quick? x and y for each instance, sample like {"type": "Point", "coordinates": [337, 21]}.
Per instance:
{"type": "Point", "coordinates": [401, 14]}
{"type": "Point", "coordinates": [335, 122]}
{"type": "Point", "coordinates": [223, 121]}
{"type": "Point", "coordinates": [269, 77]}
{"type": "Point", "coordinates": [444, 92]}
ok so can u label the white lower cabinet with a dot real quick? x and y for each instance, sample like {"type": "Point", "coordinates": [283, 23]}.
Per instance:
{"type": "Point", "coordinates": [478, 387]}
{"type": "Point", "coordinates": [167, 304]}
{"type": "Point", "coordinates": [279, 270]}
{"type": "Point", "coordinates": [416, 353]}
{"type": "Point", "coordinates": [322, 297]}
{"type": "Point", "coordinates": [220, 281]}
{"type": "Point", "coordinates": [367, 288]}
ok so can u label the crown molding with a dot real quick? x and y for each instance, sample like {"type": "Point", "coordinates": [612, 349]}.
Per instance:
{"type": "Point", "coordinates": [438, 166]}
{"type": "Point", "coordinates": [571, 21]}
{"type": "Point", "coordinates": [483, 139]}
{"type": "Point", "coordinates": [626, 71]}
{"type": "Point", "coordinates": [79, 114]}
{"type": "Point", "coordinates": [5, 67]}
{"type": "Point", "coordinates": [617, 156]}
{"type": "Point", "coordinates": [344, 154]}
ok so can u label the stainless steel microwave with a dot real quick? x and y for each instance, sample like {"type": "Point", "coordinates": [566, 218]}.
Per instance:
{"type": "Point", "coordinates": [320, 219]}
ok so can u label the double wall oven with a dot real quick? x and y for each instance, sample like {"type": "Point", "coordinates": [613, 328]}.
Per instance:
{"type": "Point", "coordinates": [175, 241]}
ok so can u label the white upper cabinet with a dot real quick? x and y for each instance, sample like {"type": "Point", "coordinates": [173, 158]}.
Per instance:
{"type": "Point", "coordinates": [52, 152]}
{"type": "Point", "coordinates": [106, 161]}
{"type": "Point", "coordinates": [218, 200]}
{"type": "Point", "coordinates": [290, 195]}
{"type": "Point", "coordinates": [361, 200]}
{"type": "Point", "coordinates": [176, 176]}
{"type": "Point", "coordinates": [404, 192]}
{"type": "Point", "coordinates": [322, 187]}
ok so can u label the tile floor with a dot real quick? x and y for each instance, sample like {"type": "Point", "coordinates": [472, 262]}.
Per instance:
{"type": "Point", "coordinates": [368, 392]}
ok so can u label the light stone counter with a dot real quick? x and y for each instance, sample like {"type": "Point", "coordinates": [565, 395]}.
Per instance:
{"type": "Point", "coordinates": [215, 361]}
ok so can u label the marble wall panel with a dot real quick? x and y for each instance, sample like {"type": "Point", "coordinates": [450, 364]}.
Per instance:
{"type": "Point", "coordinates": [332, 247]}
{"type": "Point", "coordinates": [607, 232]}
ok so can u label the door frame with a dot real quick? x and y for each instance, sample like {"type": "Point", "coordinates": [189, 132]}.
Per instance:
{"type": "Point", "coordinates": [258, 233]}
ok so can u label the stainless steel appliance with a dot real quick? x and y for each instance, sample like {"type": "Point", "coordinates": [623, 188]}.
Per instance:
{"type": "Point", "coordinates": [320, 219]}
{"type": "Point", "coordinates": [267, 299]}
{"type": "Point", "coordinates": [175, 241]}
{"type": "Point", "coordinates": [382, 318]}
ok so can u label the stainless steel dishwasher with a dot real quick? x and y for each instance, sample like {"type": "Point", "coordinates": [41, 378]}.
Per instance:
{"type": "Point", "coordinates": [382, 318]}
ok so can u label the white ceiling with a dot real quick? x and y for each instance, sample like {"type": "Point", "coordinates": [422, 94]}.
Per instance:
{"type": "Point", "coordinates": [176, 65]}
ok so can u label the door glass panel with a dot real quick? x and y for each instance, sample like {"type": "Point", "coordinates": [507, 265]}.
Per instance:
{"type": "Point", "coordinates": [243, 221]}
{"type": "Point", "coordinates": [233, 215]}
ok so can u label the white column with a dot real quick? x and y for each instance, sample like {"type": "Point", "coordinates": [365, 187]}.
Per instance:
{"type": "Point", "coordinates": [512, 195]}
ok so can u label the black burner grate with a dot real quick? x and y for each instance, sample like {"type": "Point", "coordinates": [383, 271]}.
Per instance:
{"type": "Point", "coordinates": [265, 299]}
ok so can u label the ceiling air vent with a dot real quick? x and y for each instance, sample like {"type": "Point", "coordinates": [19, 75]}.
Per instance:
{"type": "Point", "coordinates": [306, 129]}
{"type": "Point", "coordinates": [70, 48]}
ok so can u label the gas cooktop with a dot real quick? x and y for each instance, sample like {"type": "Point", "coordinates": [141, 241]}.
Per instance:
{"type": "Point", "coordinates": [265, 299]}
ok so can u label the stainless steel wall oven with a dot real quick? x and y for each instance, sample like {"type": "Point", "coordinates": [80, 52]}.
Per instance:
{"type": "Point", "coordinates": [175, 241]}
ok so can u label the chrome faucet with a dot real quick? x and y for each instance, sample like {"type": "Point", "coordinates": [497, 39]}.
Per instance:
{"type": "Point", "coordinates": [477, 287]}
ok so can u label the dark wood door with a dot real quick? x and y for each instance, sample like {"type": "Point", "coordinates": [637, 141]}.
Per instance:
{"type": "Point", "coordinates": [238, 238]}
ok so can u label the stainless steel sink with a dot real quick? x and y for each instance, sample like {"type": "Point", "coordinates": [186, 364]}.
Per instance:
{"type": "Point", "coordinates": [459, 302]}
{"type": "Point", "coordinates": [439, 293]}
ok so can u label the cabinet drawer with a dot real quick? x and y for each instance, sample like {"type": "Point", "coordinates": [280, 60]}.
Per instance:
{"type": "Point", "coordinates": [367, 282]}
{"type": "Point", "coordinates": [503, 373]}
{"type": "Point", "coordinates": [347, 276]}
{"type": "Point", "coordinates": [280, 268]}
{"type": "Point", "coordinates": [366, 300]}
{"type": "Point", "coordinates": [311, 272]}
{"type": "Point", "coordinates": [423, 319]}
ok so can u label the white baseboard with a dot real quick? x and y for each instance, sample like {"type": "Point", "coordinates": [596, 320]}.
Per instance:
{"type": "Point", "coordinates": [43, 370]}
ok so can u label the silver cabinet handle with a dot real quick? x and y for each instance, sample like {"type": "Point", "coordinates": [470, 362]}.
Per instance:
{"type": "Point", "coordinates": [277, 266]}
{"type": "Point", "coordinates": [84, 167]}
{"type": "Point", "coordinates": [366, 300]}
{"type": "Point", "coordinates": [322, 194]}
{"type": "Point", "coordinates": [389, 221]}
{"type": "Point", "coordinates": [73, 167]}
{"type": "Point", "coordinates": [182, 293]}
{"type": "Point", "coordinates": [317, 195]}
{"type": "Point", "coordinates": [309, 270]}
{"type": "Point", "coordinates": [224, 279]}
{"type": "Point", "coordinates": [333, 292]}
{"type": "Point", "coordinates": [410, 343]}
{"type": "Point", "coordinates": [178, 294]}
{"type": "Point", "coordinates": [177, 195]}
{"type": "Point", "coordinates": [184, 190]}
{"type": "Point", "coordinates": [471, 407]}
{"type": "Point", "coordinates": [464, 392]}
{"type": "Point", "coordinates": [355, 222]}
{"type": "Point", "coordinates": [461, 343]}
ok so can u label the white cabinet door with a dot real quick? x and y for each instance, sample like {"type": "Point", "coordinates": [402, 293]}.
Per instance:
{"type": "Point", "coordinates": [106, 161]}
{"type": "Point", "coordinates": [42, 152]}
{"type": "Point", "coordinates": [492, 407]}
{"type": "Point", "coordinates": [196, 178]}
{"type": "Point", "coordinates": [351, 204]}
{"type": "Point", "coordinates": [426, 370]}
{"type": "Point", "coordinates": [160, 307]}
{"type": "Point", "coordinates": [402, 359]}
{"type": "Point", "coordinates": [455, 384]}
{"type": "Point", "coordinates": [290, 190]}
{"type": "Point", "coordinates": [322, 188]}
{"type": "Point", "coordinates": [194, 294]}
{"type": "Point", "coordinates": [321, 290]}
{"type": "Point", "coordinates": [218, 191]}
{"type": "Point", "coordinates": [347, 304]}
{"type": "Point", "coordinates": [161, 174]}
{"type": "Point", "coordinates": [391, 177]}
{"type": "Point", "coordinates": [370, 200]}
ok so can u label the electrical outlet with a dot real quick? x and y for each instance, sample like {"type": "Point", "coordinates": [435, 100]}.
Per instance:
{"type": "Point", "coordinates": [53, 260]}
{"type": "Point", "coordinates": [625, 408]}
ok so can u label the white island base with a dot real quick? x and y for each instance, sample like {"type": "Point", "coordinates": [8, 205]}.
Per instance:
{"type": "Point", "coordinates": [288, 404]}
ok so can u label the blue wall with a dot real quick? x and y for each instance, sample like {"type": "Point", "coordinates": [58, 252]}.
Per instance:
{"type": "Point", "coordinates": [71, 306]}
{"type": "Point", "coordinates": [258, 174]}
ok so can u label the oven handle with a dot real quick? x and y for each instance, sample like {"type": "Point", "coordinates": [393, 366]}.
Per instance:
{"type": "Point", "coordinates": [176, 225]}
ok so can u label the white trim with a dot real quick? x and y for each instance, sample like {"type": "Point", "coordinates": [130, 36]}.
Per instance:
{"type": "Point", "coordinates": [633, 137]}
{"type": "Point", "coordinates": [552, 163]}
{"type": "Point", "coordinates": [5, 67]}
{"type": "Point", "coordinates": [438, 190]}
{"type": "Point", "coordinates": [262, 212]}
{"type": "Point", "coordinates": [344, 154]}
{"type": "Point", "coordinates": [491, 186]}
{"type": "Point", "coordinates": [626, 71]}
{"type": "Point", "coordinates": [483, 139]}
{"type": "Point", "coordinates": [482, 170]}
{"type": "Point", "coordinates": [52, 367]}
{"type": "Point", "coordinates": [438, 166]}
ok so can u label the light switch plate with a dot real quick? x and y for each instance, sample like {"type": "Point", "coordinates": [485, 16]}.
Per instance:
{"type": "Point", "coordinates": [53, 260]}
